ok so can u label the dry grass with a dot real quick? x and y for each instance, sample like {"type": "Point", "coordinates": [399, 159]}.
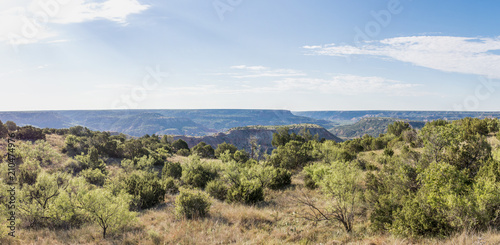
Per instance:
{"type": "Point", "coordinates": [56, 141]}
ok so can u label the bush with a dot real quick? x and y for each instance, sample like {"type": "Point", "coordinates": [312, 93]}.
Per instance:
{"type": "Point", "coordinates": [146, 188]}
{"type": "Point", "coordinates": [28, 172]}
{"type": "Point", "coordinates": [398, 127]}
{"type": "Point", "coordinates": [196, 174]}
{"type": "Point", "coordinates": [217, 189]}
{"type": "Point", "coordinates": [204, 150]}
{"type": "Point", "coordinates": [247, 192]}
{"type": "Point", "coordinates": [3, 130]}
{"type": "Point", "coordinates": [292, 155]}
{"type": "Point", "coordinates": [94, 176]}
{"type": "Point", "coordinates": [180, 145]}
{"type": "Point", "coordinates": [388, 152]}
{"type": "Point", "coordinates": [222, 148]}
{"type": "Point", "coordinates": [192, 204]}
{"type": "Point", "coordinates": [30, 133]}
{"type": "Point", "coordinates": [416, 219]}
{"type": "Point", "coordinates": [183, 152]}
{"type": "Point", "coordinates": [241, 156]}
{"type": "Point", "coordinates": [170, 186]}
{"type": "Point", "coordinates": [172, 169]}
{"type": "Point", "coordinates": [309, 183]}
{"type": "Point", "coordinates": [280, 178]}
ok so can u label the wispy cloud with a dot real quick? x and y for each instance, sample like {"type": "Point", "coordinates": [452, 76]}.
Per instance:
{"type": "Point", "coordinates": [466, 55]}
{"type": "Point", "coordinates": [26, 21]}
{"type": "Point", "coordinates": [347, 85]}
{"type": "Point", "coordinates": [338, 85]}
{"type": "Point", "coordinates": [244, 71]}
{"type": "Point", "coordinates": [77, 11]}
{"type": "Point", "coordinates": [251, 68]}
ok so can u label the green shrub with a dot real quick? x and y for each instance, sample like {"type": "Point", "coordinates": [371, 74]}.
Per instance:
{"type": "Point", "coordinates": [223, 148]}
{"type": "Point", "coordinates": [170, 186]}
{"type": "Point", "coordinates": [172, 169]}
{"type": "Point", "coordinates": [292, 155]}
{"type": "Point", "coordinates": [192, 204]}
{"type": "Point", "coordinates": [94, 176]}
{"type": "Point", "coordinates": [30, 133]}
{"type": "Point", "coordinates": [309, 182]}
{"type": "Point", "coordinates": [180, 145]}
{"type": "Point", "coordinates": [146, 188]}
{"type": "Point", "coordinates": [183, 152]}
{"type": "Point", "coordinates": [388, 152]}
{"type": "Point", "coordinates": [398, 127]}
{"type": "Point", "coordinates": [241, 156]}
{"type": "Point", "coordinates": [378, 144]}
{"type": "Point", "coordinates": [204, 150]}
{"type": "Point", "coordinates": [40, 151]}
{"type": "Point", "coordinates": [196, 174]}
{"type": "Point", "coordinates": [280, 178]}
{"type": "Point", "coordinates": [417, 219]}
{"type": "Point", "coordinates": [217, 189]}
{"type": "Point", "coordinates": [28, 172]}
{"type": "Point", "coordinates": [247, 192]}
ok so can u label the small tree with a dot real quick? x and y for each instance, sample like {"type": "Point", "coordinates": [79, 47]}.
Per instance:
{"type": "Point", "coordinates": [37, 199]}
{"type": "Point", "coordinates": [108, 211]}
{"type": "Point", "coordinates": [341, 182]}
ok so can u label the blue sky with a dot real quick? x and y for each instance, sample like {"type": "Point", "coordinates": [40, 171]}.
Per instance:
{"type": "Point", "coordinates": [282, 54]}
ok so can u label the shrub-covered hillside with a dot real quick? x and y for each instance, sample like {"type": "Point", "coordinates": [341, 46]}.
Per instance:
{"type": "Point", "coordinates": [436, 185]}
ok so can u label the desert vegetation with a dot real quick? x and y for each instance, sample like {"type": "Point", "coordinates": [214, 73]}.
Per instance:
{"type": "Point", "coordinates": [436, 185]}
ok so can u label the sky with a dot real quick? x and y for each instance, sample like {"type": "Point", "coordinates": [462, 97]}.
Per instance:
{"type": "Point", "coordinates": [250, 54]}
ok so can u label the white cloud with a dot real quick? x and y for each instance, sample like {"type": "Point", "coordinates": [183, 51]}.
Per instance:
{"type": "Point", "coordinates": [251, 68]}
{"type": "Point", "coordinates": [340, 85]}
{"type": "Point", "coordinates": [261, 71]}
{"type": "Point", "coordinates": [445, 53]}
{"type": "Point", "coordinates": [77, 11]}
{"type": "Point", "coordinates": [26, 21]}
{"type": "Point", "coordinates": [347, 85]}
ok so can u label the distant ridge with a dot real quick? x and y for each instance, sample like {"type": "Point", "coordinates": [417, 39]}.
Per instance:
{"type": "Point", "coordinates": [240, 136]}
{"type": "Point", "coordinates": [210, 121]}
{"type": "Point", "coordinates": [141, 122]}
{"type": "Point", "coordinates": [408, 115]}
